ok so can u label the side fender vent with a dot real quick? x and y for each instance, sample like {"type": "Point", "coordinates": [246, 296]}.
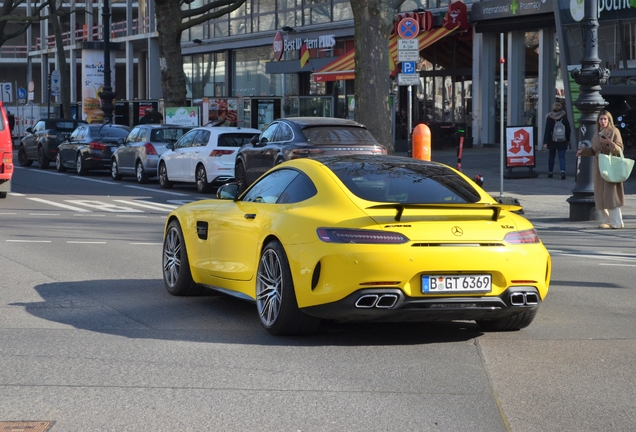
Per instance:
{"type": "Point", "coordinates": [202, 230]}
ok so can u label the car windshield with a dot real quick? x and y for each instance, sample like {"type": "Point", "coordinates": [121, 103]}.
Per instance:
{"type": "Point", "coordinates": [410, 182]}
{"type": "Point", "coordinates": [167, 135]}
{"type": "Point", "coordinates": [337, 135]}
{"type": "Point", "coordinates": [63, 126]}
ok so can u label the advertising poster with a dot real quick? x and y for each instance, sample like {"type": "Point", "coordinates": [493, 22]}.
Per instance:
{"type": "Point", "coordinates": [520, 146]}
{"type": "Point", "coordinates": [183, 116]}
{"type": "Point", "coordinates": [93, 83]}
{"type": "Point", "coordinates": [223, 112]}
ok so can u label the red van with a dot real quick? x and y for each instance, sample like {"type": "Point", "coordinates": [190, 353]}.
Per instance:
{"type": "Point", "coordinates": [6, 153]}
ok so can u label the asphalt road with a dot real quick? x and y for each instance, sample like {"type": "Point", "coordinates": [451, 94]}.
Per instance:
{"type": "Point", "coordinates": [91, 340]}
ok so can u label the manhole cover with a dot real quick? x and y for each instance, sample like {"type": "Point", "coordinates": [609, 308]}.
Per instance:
{"type": "Point", "coordinates": [22, 426]}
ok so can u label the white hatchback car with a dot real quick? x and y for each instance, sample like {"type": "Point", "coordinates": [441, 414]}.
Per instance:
{"type": "Point", "coordinates": [205, 156]}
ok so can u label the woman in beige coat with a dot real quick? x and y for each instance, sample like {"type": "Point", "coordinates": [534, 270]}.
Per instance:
{"type": "Point", "coordinates": [608, 197]}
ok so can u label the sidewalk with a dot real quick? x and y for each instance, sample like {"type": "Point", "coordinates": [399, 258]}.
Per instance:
{"type": "Point", "coordinates": [543, 199]}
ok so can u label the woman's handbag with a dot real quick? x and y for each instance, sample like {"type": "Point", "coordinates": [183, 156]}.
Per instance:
{"type": "Point", "coordinates": [615, 169]}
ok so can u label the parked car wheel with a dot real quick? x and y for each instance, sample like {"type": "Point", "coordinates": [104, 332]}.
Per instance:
{"type": "Point", "coordinates": [176, 268]}
{"type": "Point", "coordinates": [510, 323]}
{"type": "Point", "coordinates": [275, 297]}
{"type": "Point", "coordinates": [58, 164]}
{"type": "Point", "coordinates": [163, 177]}
{"type": "Point", "coordinates": [79, 165]}
{"type": "Point", "coordinates": [202, 180]}
{"type": "Point", "coordinates": [22, 157]}
{"type": "Point", "coordinates": [239, 174]}
{"type": "Point", "coordinates": [141, 175]}
{"type": "Point", "coordinates": [114, 170]}
{"type": "Point", "coordinates": [42, 160]}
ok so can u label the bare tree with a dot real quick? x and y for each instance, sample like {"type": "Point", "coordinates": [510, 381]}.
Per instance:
{"type": "Point", "coordinates": [172, 20]}
{"type": "Point", "coordinates": [13, 23]}
{"type": "Point", "coordinates": [373, 22]}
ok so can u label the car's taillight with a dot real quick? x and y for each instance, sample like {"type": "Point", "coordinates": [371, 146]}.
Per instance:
{"type": "Point", "coordinates": [98, 146]}
{"type": "Point", "coordinates": [150, 149]}
{"type": "Point", "coordinates": [218, 152]}
{"type": "Point", "coordinates": [7, 163]}
{"type": "Point", "coordinates": [525, 236]}
{"type": "Point", "coordinates": [303, 153]}
{"type": "Point", "coordinates": [344, 235]}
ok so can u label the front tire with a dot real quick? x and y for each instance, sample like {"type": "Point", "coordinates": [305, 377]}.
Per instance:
{"type": "Point", "coordinates": [58, 163]}
{"type": "Point", "coordinates": [241, 177]}
{"type": "Point", "coordinates": [114, 170]}
{"type": "Point", "coordinates": [79, 165]}
{"type": "Point", "coordinates": [509, 323]}
{"type": "Point", "coordinates": [202, 180]}
{"type": "Point", "coordinates": [22, 157]}
{"type": "Point", "coordinates": [163, 177]}
{"type": "Point", "coordinates": [276, 297]}
{"type": "Point", "coordinates": [42, 160]}
{"type": "Point", "coordinates": [176, 267]}
{"type": "Point", "coordinates": [141, 175]}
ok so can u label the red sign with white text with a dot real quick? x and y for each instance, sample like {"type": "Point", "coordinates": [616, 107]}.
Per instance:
{"type": "Point", "coordinates": [520, 146]}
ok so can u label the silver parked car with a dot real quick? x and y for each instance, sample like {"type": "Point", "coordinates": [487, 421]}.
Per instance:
{"type": "Point", "coordinates": [140, 153]}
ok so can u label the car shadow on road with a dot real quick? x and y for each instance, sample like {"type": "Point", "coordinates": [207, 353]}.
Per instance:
{"type": "Point", "coordinates": [143, 309]}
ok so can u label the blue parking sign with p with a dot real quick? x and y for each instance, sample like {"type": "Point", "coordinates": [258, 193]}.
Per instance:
{"type": "Point", "coordinates": [408, 67]}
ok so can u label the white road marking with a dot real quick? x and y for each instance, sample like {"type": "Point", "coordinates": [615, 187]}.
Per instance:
{"type": "Point", "coordinates": [147, 244]}
{"type": "Point", "coordinates": [44, 214]}
{"type": "Point", "coordinates": [107, 207]}
{"type": "Point", "coordinates": [157, 190]}
{"type": "Point", "coordinates": [64, 206]}
{"type": "Point", "coordinates": [619, 265]}
{"type": "Point", "coordinates": [149, 205]}
{"type": "Point", "coordinates": [29, 241]}
{"type": "Point", "coordinates": [7, 214]}
{"type": "Point", "coordinates": [85, 242]}
{"type": "Point", "coordinates": [15, 194]}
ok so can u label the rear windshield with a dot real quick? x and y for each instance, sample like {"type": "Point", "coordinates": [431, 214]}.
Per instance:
{"type": "Point", "coordinates": [63, 126]}
{"type": "Point", "coordinates": [167, 135]}
{"type": "Point", "coordinates": [118, 132]}
{"type": "Point", "coordinates": [338, 135]}
{"type": "Point", "coordinates": [409, 183]}
{"type": "Point", "coordinates": [235, 139]}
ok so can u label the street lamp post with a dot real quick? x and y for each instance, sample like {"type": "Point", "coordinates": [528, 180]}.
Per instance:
{"type": "Point", "coordinates": [107, 95]}
{"type": "Point", "coordinates": [590, 102]}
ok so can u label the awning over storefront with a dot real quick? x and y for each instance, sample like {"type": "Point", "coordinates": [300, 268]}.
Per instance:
{"type": "Point", "coordinates": [343, 67]}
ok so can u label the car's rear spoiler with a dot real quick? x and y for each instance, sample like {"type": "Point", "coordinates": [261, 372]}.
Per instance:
{"type": "Point", "coordinates": [494, 208]}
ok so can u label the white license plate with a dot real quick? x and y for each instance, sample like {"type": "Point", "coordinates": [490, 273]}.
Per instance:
{"type": "Point", "coordinates": [433, 284]}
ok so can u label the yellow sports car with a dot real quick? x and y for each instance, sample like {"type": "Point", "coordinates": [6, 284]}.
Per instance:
{"type": "Point", "coordinates": [360, 238]}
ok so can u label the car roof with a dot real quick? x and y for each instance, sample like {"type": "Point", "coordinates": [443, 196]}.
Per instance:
{"type": "Point", "coordinates": [227, 129]}
{"type": "Point", "coordinates": [304, 122]}
{"type": "Point", "coordinates": [164, 126]}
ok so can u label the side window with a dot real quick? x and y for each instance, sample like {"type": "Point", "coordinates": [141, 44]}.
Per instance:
{"type": "Point", "coordinates": [202, 138]}
{"type": "Point", "coordinates": [132, 136]}
{"type": "Point", "coordinates": [271, 187]}
{"type": "Point", "coordinates": [75, 134]}
{"type": "Point", "coordinates": [186, 140]}
{"type": "Point", "coordinates": [283, 133]}
{"type": "Point", "coordinates": [268, 134]}
{"type": "Point", "coordinates": [300, 189]}
{"type": "Point", "coordinates": [39, 126]}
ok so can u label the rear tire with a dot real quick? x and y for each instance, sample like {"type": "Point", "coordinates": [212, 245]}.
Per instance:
{"type": "Point", "coordinates": [114, 170]}
{"type": "Point", "coordinates": [201, 178]}
{"type": "Point", "coordinates": [22, 157]}
{"type": "Point", "coordinates": [276, 296]}
{"type": "Point", "coordinates": [141, 175]}
{"type": "Point", "coordinates": [176, 267]}
{"type": "Point", "coordinates": [510, 323]}
{"type": "Point", "coordinates": [42, 160]}
{"type": "Point", "coordinates": [58, 163]}
{"type": "Point", "coordinates": [163, 177]}
{"type": "Point", "coordinates": [79, 165]}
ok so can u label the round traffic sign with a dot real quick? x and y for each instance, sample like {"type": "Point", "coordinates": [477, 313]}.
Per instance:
{"type": "Point", "coordinates": [22, 94]}
{"type": "Point", "coordinates": [31, 85]}
{"type": "Point", "coordinates": [408, 28]}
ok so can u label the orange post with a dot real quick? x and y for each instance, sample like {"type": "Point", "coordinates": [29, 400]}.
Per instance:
{"type": "Point", "coordinates": [422, 142]}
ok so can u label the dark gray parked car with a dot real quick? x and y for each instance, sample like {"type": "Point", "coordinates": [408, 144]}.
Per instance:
{"type": "Point", "coordinates": [90, 146]}
{"type": "Point", "coordinates": [41, 142]}
{"type": "Point", "coordinates": [140, 153]}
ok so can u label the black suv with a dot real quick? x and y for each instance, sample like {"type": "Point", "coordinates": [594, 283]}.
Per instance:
{"type": "Point", "coordinates": [42, 140]}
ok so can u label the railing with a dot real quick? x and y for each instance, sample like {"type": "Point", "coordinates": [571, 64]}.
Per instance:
{"type": "Point", "coordinates": [118, 29]}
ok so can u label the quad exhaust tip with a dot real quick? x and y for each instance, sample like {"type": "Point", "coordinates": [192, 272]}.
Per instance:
{"type": "Point", "coordinates": [380, 301]}
{"type": "Point", "coordinates": [524, 298]}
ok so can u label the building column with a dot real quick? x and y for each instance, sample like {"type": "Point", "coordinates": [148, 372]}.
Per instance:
{"type": "Point", "coordinates": [154, 72]}
{"type": "Point", "coordinates": [516, 62]}
{"type": "Point", "coordinates": [130, 71]}
{"type": "Point", "coordinates": [484, 64]}
{"type": "Point", "coordinates": [142, 92]}
{"type": "Point", "coordinates": [547, 79]}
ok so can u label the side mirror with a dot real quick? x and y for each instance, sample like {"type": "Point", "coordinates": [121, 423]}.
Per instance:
{"type": "Point", "coordinates": [121, 141]}
{"type": "Point", "coordinates": [170, 146]}
{"type": "Point", "coordinates": [29, 130]}
{"type": "Point", "coordinates": [254, 140]}
{"type": "Point", "coordinates": [228, 191]}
